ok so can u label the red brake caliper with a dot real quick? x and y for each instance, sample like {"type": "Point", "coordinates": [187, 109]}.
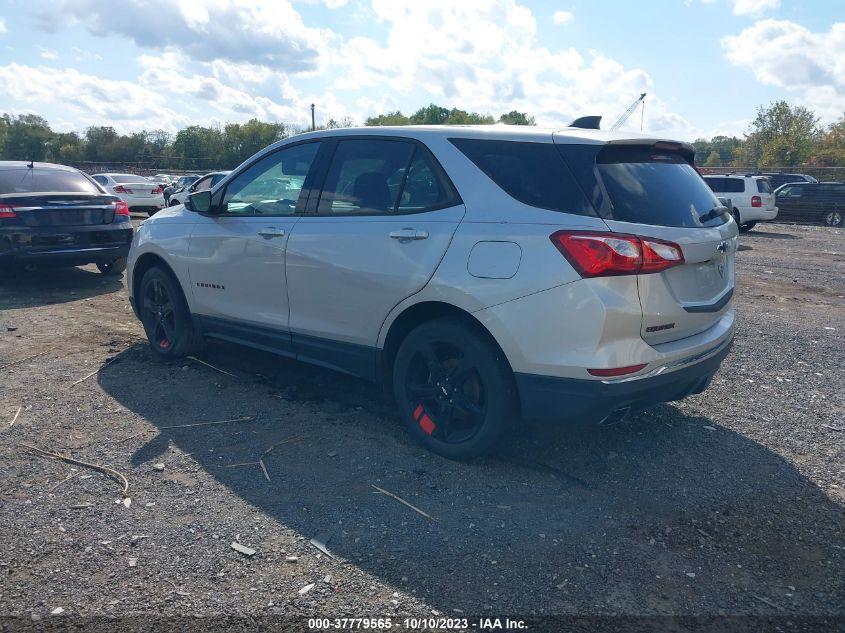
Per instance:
{"type": "Point", "coordinates": [425, 422]}
{"type": "Point", "coordinates": [164, 343]}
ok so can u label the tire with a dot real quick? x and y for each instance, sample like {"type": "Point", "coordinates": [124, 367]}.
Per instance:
{"type": "Point", "coordinates": [173, 203]}
{"type": "Point", "coordinates": [454, 389]}
{"type": "Point", "coordinates": [114, 267]}
{"type": "Point", "coordinates": [834, 218]}
{"type": "Point", "coordinates": [743, 228]}
{"type": "Point", "coordinates": [165, 315]}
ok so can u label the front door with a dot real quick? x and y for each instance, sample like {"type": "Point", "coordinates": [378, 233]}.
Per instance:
{"type": "Point", "coordinates": [384, 219]}
{"type": "Point", "coordinates": [236, 258]}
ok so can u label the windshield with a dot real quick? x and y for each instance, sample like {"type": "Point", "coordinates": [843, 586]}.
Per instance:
{"type": "Point", "coordinates": [26, 180]}
{"type": "Point", "coordinates": [650, 186]}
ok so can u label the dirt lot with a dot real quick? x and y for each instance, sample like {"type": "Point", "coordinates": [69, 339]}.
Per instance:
{"type": "Point", "coordinates": [730, 502]}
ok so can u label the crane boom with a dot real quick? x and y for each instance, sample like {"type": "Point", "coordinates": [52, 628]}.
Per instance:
{"type": "Point", "coordinates": [624, 116]}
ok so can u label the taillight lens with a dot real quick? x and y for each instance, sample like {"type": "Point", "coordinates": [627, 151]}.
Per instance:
{"type": "Point", "coordinates": [7, 211]}
{"type": "Point", "coordinates": [122, 189]}
{"type": "Point", "coordinates": [616, 371]}
{"type": "Point", "coordinates": [609, 254]}
{"type": "Point", "coordinates": [157, 190]}
{"type": "Point", "coordinates": [756, 201]}
{"type": "Point", "coordinates": [121, 208]}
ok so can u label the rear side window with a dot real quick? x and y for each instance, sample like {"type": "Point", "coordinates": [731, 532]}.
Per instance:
{"type": "Point", "coordinates": [650, 186]}
{"type": "Point", "coordinates": [533, 173]}
{"type": "Point", "coordinates": [726, 185]}
{"type": "Point", "coordinates": [375, 177]}
{"type": "Point", "coordinates": [764, 186]}
{"type": "Point", "coordinates": [26, 180]}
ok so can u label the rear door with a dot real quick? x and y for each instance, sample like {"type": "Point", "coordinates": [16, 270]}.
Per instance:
{"type": "Point", "coordinates": [653, 191]}
{"type": "Point", "coordinates": [381, 223]}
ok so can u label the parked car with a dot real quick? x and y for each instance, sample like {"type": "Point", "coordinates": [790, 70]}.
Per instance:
{"type": "Point", "coordinates": [778, 179]}
{"type": "Point", "coordinates": [570, 275]}
{"type": "Point", "coordinates": [812, 203]}
{"type": "Point", "coordinates": [180, 183]}
{"type": "Point", "coordinates": [201, 184]}
{"type": "Point", "coordinates": [52, 215]}
{"type": "Point", "coordinates": [136, 191]}
{"type": "Point", "coordinates": [752, 196]}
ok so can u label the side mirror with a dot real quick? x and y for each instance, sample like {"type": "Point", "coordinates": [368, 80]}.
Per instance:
{"type": "Point", "coordinates": [199, 202]}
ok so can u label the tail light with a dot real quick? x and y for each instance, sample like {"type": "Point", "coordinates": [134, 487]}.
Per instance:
{"type": "Point", "coordinates": [756, 201]}
{"type": "Point", "coordinates": [122, 189]}
{"type": "Point", "coordinates": [7, 211]}
{"type": "Point", "coordinates": [610, 254]}
{"type": "Point", "coordinates": [616, 371]}
{"type": "Point", "coordinates": [157, 190]}
{"type": "Point", "coordinates": [121, 208]}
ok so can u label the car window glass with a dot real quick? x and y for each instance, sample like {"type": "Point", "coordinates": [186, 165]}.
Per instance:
{"type": "Point", "coordinates": [764, 186]}
{"type": "Point", "coordinates": [423, 189]}
{"type": "Point", "coordinates": [203, 184]}
{"type": "Point", "coordinates": [533, 173]}
{"type": "Point", "coordinates": [28, 180]}
{"type": "Point", "coordinates": [791, 191]}
{"type": "Point", "coordinates": [365, 177]}
{"type": "Point", "coordinates": [273, 185]}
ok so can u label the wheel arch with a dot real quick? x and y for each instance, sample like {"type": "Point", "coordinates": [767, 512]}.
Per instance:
{"type": "Point", "coordinates": [142, 265]}
{"type": "Point", "coordinates": [415, 315]}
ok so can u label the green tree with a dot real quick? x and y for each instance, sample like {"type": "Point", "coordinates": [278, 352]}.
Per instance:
{"type": "Point", "coordinates": [391, 118]}
{"type": "Point", "coordinates": [28, 137]}
{"type": "Point", "coordinates": [713, 160]}
{"type": "Point", "coordinates": [517, 118]}
{"type": "Point", "coordinates": [430, 115]}
{"type": "Point", "coordinates": [780, 136]}
{"type": "Point", "coordinates": [67, 147]}
{"type": "Point", "coordinates": [830, 149]}
{"type": "Point", "coordinates": [198, 147]}
{"type": "Point", "coordinates": [240, 141]}
{"type": "Point", "coordinates": [98, 143]}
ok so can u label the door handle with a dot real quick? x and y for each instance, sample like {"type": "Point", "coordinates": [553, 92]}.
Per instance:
{"type": "Point", "coordinates": [271, 232]}
{"type": "Point", "coordinates": [409, 234]}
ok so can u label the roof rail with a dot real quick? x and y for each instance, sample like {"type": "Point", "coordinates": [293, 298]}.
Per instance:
{"type": "Point", "coordinates": [587, 122]}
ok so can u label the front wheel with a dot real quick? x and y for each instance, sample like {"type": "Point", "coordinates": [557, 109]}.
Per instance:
{"type": "Point", "coordinates": [454, 388]}
{"type": "Point", "coordinates": [114, 267]}
{"type": "Point", "coordinates": [834, 218]}
{"type": "Point", "coordinates": [165, 315]}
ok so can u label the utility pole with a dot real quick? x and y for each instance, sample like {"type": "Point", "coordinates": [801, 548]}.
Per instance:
{"type": "Point", "coordinates": [313, 125]}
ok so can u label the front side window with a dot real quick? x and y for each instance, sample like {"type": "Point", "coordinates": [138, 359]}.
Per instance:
{"type": "Point", "coordinates": [790, 191]}
{"type": "Point", "coordinates": [274, 184]}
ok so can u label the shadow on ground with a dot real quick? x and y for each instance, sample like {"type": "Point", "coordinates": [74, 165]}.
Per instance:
{"type": "Point", "coordinates": [668, 514]}
{"type": "Point", "coordinates": [48, 286]}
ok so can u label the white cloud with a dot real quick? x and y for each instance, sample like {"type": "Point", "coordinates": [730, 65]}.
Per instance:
{"type": "Point", "coordinates": [49, 54]}
{"type": "Point", "coordinates": [789, 56]}
{"type": "Point", "coordinates": [754, 7]}
{"type": "Point", "coordinates": [259, 32]}
{"type": "Point", "coordinates": [2, 25]}
{"type": "Point", "coordinates": [562, 18]}
{"type": "Point", "coordinates": [95, 101]}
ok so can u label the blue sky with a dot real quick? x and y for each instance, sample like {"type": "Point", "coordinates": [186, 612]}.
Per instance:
{"type": "Point", "coordinates": [164, 64]}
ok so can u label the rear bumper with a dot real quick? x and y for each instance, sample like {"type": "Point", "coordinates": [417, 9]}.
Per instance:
{"type": "Point", "coordinates": [64, 246]}
{"type": "Point", "coordinates": [758, 214]}
{"type": "Point", "coordinates": [550, 398]}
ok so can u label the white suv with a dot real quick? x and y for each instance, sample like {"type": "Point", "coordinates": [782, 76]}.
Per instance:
{"type": "Point", "coordinates": [478, 272]}
{"type": "Point", "coordinates": [752, 196]}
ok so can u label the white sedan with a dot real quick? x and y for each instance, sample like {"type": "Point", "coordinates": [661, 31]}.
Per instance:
{"type": "Point", "coordinates": [136, 191]}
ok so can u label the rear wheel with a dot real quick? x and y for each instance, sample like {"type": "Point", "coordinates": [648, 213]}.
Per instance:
{"type": "Point", "coordinates": [454, 388]}
{"type": "Point", "coordinates": [165, 315]}
{"type": "Point", "coordinates": [744, 228]}
{"type": "Point", "coordinates": [174, 203]}
{"type": "Point", "coordinates": [114, 267]}
{"type": "Point", "coordinates": [834, 218]}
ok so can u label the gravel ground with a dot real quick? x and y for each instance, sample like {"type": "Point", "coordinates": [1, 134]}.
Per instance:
{"type": "Point", "coordinates": [730, 502]}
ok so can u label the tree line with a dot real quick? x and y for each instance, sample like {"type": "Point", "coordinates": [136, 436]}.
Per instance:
{"type": "Point", "coordinates": [781, 135]}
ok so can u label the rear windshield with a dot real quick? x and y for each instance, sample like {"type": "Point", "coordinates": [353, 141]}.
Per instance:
{"type": "Point", "coordinates": [129, 178]}
{"type": "Point", "coordinates": [37, 179]}
{"type": "Point", "coordinates": [764, 186]}
{"type": "Point", "coordinates": [533, 173]}
{"type": "Point", "coordinates": [650, 186]}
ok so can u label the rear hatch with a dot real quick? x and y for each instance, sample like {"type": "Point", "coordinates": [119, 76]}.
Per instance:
{"type": "Point", "coordinates": [650, 189]}
{"type": "Point", "coordinates": [766, 193]}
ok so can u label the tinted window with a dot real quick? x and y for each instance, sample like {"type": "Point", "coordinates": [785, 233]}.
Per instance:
{"type": "Point", "coordinates": [533, 173]}
{"type": "Point", "coordinates": [129, 178]}
{"type": "Point", "coordinates": [764, 186]}
{"type": "Point", "coordinates": [203, 184]}
{"type": "Point", "coordinates": [790, 191]}
{"type": "Point", "coordinates": [26, 180]}
{"type": "Point", "coordinates": [273, 185]}
{"type": "Point", "coordinates": [425, 187]}
{"type": "Point", "coordinates": [726, 185]}
{"type": "Point", "coordinates": [365, 177]}
{"type": "Point", "coordinates": [650, 186]}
